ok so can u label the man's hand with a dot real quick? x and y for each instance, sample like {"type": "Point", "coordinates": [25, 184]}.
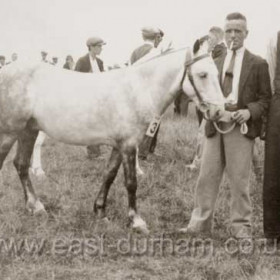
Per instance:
{"type": "Point", "coordinates": [241, 116]}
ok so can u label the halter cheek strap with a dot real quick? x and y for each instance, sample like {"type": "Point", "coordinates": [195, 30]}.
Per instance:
{"type": "Point", "coordinates": [187, 71]}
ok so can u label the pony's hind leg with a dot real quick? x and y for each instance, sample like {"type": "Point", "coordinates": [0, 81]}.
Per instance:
{"type": "Point", "coordinates": [36, 164]}
{"type": "Point", "coordinates": [6, 143]}
{"type": "Point", "coordinates": [110, 175]}
{"type": "Point", "coordinates": [25, 146]}
{"type": "Point", "coordinates": [129, 165]}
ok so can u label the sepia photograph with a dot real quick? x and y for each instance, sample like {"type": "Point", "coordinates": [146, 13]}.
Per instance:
{"type": "Point", "coordinates": [139, 140]}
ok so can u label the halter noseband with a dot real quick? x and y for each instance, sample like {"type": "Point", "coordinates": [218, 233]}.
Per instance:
{"type": "Point", "coordinates": [187, 70]}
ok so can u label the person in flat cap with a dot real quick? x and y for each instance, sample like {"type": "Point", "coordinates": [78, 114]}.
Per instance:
{"type": "Point", "coordinates": [44, 56]}
{"type": "Point", "coordinates": [152, 37]}
{"type": "Point", "coordinates": [90, 63]}
{"type": "Point", "coordinates": [54, 61]}
{"type": "Point", "coordinates": [2, 61]}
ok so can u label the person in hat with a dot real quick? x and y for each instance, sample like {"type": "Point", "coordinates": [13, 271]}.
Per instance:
{"type": "Point", "coordinates": [152, 37]}
{"type": "Point", "coordinates": [69, 63]}
{"type": "Point", "coordinates": [44, 56]}
{"type": "Point", "coordinates": [90, 63]}
{"type": "Point", "coordinates": [216, 43]}
{"type": "Point", "coordinates": [2, 61]}
{"type": "Point", "coordinates": [54, 60]}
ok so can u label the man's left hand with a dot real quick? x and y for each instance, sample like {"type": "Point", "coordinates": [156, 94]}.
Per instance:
{"type": "Point", "coordinates": [241, 116]}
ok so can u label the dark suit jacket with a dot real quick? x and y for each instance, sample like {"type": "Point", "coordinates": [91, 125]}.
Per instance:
{"type": "Point", "coordinates": [219, 50]}
{"type": "Point", "coordinates": [140, 52]}
{"type": "Point", "coordinates": [83, 64]}
{"type": "Point", "coordinates": [254, 92]}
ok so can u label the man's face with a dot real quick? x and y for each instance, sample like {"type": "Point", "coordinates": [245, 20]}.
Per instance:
{"type": "Point", "coordinates": [235, 33]}
{"type": "Point", "coordinates": [97, 49]}
{"type": "Point", "coordinates": [158, 39]}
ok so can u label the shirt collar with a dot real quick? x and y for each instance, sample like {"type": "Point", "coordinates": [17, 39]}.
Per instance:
{"type": "Point", "coordinates": [238, 51]}
{"type": "Point", "coordinates": [149, 43]}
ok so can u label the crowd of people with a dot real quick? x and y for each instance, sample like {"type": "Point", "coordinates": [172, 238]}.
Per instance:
{"type": "Point", "coordinates": [248, 83]}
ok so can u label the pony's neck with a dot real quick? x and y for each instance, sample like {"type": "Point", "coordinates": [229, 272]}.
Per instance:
{"type": "Point", "coordinates": [165, 79]}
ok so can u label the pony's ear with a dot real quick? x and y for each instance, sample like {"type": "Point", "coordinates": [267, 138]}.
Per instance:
{"type": "Point", "coordinates": [196, 46]}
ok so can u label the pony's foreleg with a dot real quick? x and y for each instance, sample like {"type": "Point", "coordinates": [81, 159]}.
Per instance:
{"type": "Point", "coordinates": [129, 165]}
{"type": "Point", "coordinates": [139, 171]}
{"type": "Point", "coordinates": [36, 165]}
{"type": "Point", "coordinates": [110, 175]}
{"type": "Point", "coordinates": [25, 146]}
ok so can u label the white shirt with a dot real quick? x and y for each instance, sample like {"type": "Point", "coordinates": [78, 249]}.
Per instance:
{"type": "Point", "coordinates": [94, 65]}
{"type": "Point", "coordinates": [271, 58]}
{"type": "Point", "coordinates": [233, 96]}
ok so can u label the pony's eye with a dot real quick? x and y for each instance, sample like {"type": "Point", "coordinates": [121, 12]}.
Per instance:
{"type": "Point", "coordinates": [203, 75]}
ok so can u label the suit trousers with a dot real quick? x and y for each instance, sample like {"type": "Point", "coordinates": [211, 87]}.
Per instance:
{"type": "Point", "coordinates": [232, 153]}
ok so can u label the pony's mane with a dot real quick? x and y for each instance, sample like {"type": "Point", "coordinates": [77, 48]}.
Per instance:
{"type": "Point", "coordinates": [163, 54]}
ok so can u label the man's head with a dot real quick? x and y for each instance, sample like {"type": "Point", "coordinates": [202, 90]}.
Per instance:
{"type": "Point", "coordinates": [215, 37]}
{"type": "Point", "coordinates": [95, 45]}
{"type": "Point", "coordinates": [235, 30]}
{"type": "Point", "coordinates": [14, 56]}
{"type": "Point", "coordinates": [44, 55]}
{"type": "Point", "coordinates": [54, 60]}
{"type": "Point", "coordinates": [158, 38]}
{"type": "Point", "coordinates": [2, 60]}
{"type": "Point", "coordinates": [152, 34]}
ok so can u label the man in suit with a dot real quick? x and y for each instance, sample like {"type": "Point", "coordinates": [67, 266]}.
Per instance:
{"type": "Point", "coordinates": [245, 83]}
{"type": "Point", "coordinates": [271, 186]}
{"type": "Point", "coordinates": [152, 37]}
{"type": "Point", "coordinates": [217, 46]}
{"type": "Point", "coordinates": [90, 63]}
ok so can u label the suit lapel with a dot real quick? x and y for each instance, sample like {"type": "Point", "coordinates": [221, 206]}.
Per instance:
{"type": "Point", "coordinates": [88, 65]}
{"type": "Point", "coordinates": [245, 70]}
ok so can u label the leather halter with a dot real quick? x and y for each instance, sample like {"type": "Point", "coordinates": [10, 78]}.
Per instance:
{"type": "Point", "coordinates": [187, 70]}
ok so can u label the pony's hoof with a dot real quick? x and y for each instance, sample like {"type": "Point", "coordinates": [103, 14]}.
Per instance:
{"type": "Point", "coordinates": [139, 172]}
{"type": "Point", "coordinates": [105, 220]}
{"type": "Point", "coordinates": [139, 226]}
{"type": "Point", "coordinates": [36, 208]}
{"type": "Point", "coordinates": [141, 229]}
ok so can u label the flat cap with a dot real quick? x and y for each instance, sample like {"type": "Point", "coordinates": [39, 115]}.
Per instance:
{"type": "Point", "coordinates": [43, 52]}
{"type": "Point", "coordinates": [149, 31]}
{"type": "Point", "coordinates": [94, 41]}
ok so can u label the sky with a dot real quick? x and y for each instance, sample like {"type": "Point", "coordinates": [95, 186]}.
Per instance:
{"type": "Point", "coordinates": [61, 27]}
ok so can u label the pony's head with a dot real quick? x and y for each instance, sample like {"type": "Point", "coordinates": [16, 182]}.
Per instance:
{"type": "Point", "coordinates": [201, 83]}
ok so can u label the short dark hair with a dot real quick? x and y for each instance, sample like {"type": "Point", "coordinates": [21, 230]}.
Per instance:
{"type": "Point", "coordinates": [2, 57]}
{"type": "Point", "coordinates": [236, 15]}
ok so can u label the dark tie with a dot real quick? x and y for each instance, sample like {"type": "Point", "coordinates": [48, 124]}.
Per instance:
{"type": "Point", "coordinates": [227, 85]}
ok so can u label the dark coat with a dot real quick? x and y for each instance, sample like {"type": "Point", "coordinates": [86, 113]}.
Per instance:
{"type": "Point", "coordinates": [219, 50]}
{"type": "Point", "coordinates": [254, 92]}
{"type": "Point", "coordinates": [271, 187]}
{"type": "Point", "coordinates": [83, 64]}
{"type": "Point", "coordinates": [140, 52]}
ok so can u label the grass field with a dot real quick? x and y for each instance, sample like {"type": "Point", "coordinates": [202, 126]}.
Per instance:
{"type": "Point", "coordinates": [72, 244]}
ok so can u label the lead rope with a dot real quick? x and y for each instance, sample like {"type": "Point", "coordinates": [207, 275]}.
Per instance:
{"type": "Point", "coordinates": [243, 128]}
